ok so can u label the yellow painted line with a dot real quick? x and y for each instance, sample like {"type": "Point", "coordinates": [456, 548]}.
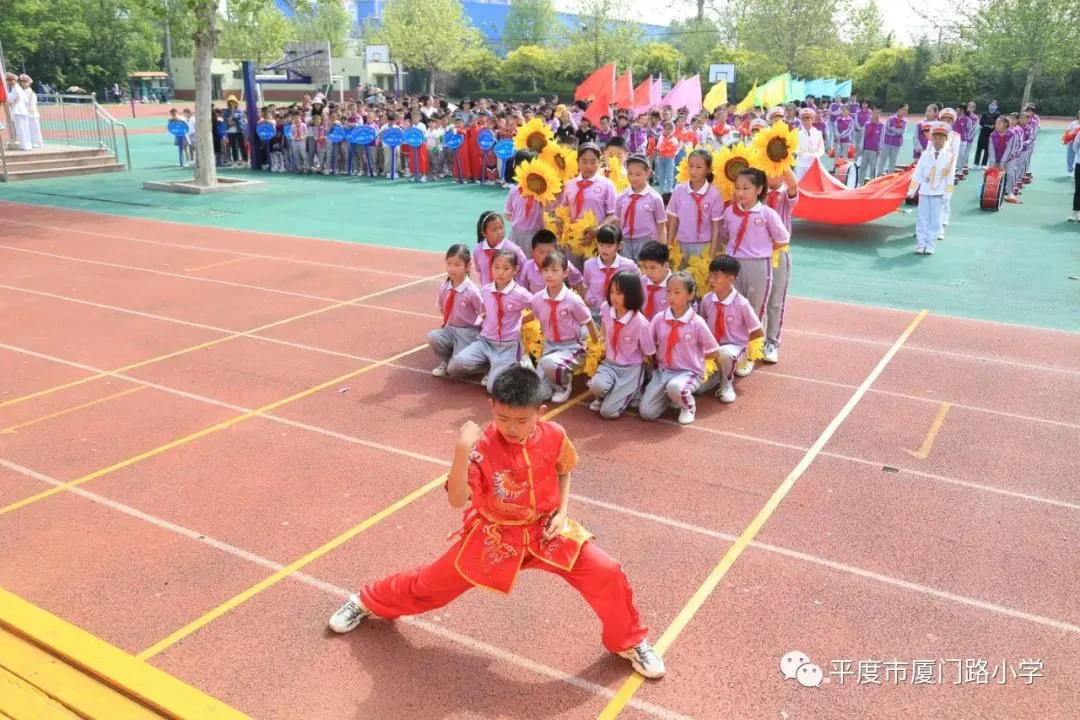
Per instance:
{"type": "Point", "coordinates": [935, 427]}
{"type": "Point", "coordinates": [212, 343]}
{"type": "Point", "coordinates": [317, 553]}
{"type": "Point", "coordinates": [217, 264]}
{"type": "Point", "coordinates": [631, 685]}
{"type": "Point", "coordinates": [204, 432]}
{"type": "Point", "coordinates": [161, 692]}
{"type": "Point", "coordinates": [67, 411]}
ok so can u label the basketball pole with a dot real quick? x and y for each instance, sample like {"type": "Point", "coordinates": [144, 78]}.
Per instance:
{"type": "Point", "coordinates": [251, 100]}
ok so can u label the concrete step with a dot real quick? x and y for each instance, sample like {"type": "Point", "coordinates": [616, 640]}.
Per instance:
{"type": "Point", "coordinates": [65, 171]}
{"type": "Point", "coordinates": [49, 162]}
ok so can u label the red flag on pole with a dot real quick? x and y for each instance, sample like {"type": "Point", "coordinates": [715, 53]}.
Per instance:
{"type": "Point", "coordinates": [624, 90]}
{"type": "Point", "coordinates": [601, 81]}
{"type": "Point", "coordinates": [598, 108]}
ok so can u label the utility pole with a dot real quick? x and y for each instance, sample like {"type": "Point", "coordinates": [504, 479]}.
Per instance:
{"type": "Point", "coordinates": [168, 49]}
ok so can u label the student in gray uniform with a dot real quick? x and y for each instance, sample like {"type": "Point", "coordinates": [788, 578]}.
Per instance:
{"type": "Point", "coordinates": [627, 342]}
{"type": "Point", "coordinates": [461, 308]}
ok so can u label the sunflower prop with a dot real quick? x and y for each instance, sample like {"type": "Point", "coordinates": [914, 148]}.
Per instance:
{"type": "Point", "coordinates": [710, 369]}
{"type": "Point", "coordinates": [729, 162]}
{"type": "Point", "coordinates": [532, 337]}
{"type": "Point", "coordinates": [594, 353]}
{"type": "Point", "coordinates": [574, 235]}
{"type": "Point", "coordinates": [538, 180]}
{"type": "Point", "coordinates": [776, 148]}
{"type": "Point", "coordinates": [698, 267]}
{"type": "Point", "coordinates": [553, 221]}
{"type": "Point", "coordinates": [776, 255]}
{"type": "Point", "coordinates": [682, 174]}
{"type": "Point", "coordinates": [533, 135]}
{"type": "Point", "coordinates": [562, 160]}
{"type": "Point", "coordinates": [617, 173]}
{"type": "Point", "coordinates": [755, 350]}
{"type": "Point", "coordinates": [675, 254]}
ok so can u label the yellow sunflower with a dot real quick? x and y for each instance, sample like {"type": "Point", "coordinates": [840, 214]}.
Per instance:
{"type": "Point", "coordinates": [562, 159]}
{"type": "Point", "coordinates": [617, 173]}
{"type": "Point", "coordinates": [776, 149]}
{"type": "Point", "coordinates": [538, 180]}
{"type": "Point", "coordinates": [675, 255]}
{"type": "Point", "coordinates": [727, 165]}
{"type": "Point", "coordinates": [574, 236]}
{"type": "Point", "coordinates": [682, 173]}
{"type": "Point", "coordinates": [698, 267]}
{"type": "Point", "coordinates": [533, 135]}
{"type": "Point", "coordinates": [594, 353]}
{"type": "Point", "coordinates": [532, 337]}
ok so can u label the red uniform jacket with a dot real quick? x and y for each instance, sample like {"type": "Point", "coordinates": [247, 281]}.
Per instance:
{"type": "Point", "coordinates": [515, 490]}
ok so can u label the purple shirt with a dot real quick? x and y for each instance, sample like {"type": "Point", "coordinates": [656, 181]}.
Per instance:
{"type": "Point", "coordinates": [694, 342]}
{"type": "Point", "coordinates": [739, 318]}
{"type": "Point", "coordinates": [484, 256]}
{"type": "Point", "coordinates": [780, 201]}
{"type": "Point", "coordinates": [597, 276]}
{"type": "Point", "coordinates": [648, 213]}
{"type": "Point", "coordinates": [532, 277]}
{"type": "Point", "coordinates": [599, 197]}
{"type": "Point", "coordinates": [962, 127]}
{"type": "Point", "coordinates": [872, 134]}
{"type": "Point", "coordinates": [627, 340]}
{"type": "Point", "coordinates": [570, 314]}
{"type": "Point", "coordinates": [504, 326]}
{"type": "Point", "coordinates": [525, 213]}
{"type": "Point", "coordinates": [695, 227]}
{"type": "Point", "coordinates": [844, 127]}
{"type": "Point", "coordinates": [762, 229]}
{"type": "Point", "coordinates": [895, 128]}
{"type": "Point", "coordinates": [862, 117]}
{"type": "Point", "coordinates": [1002, 147]}
{"type": "Point", "coordinates": [468, 305]}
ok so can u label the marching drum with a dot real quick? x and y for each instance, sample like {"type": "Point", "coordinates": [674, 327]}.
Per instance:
{"type": "Point", "coordinates": [847, 173]}
{"type": "Point", "coordinates": [993, 189]}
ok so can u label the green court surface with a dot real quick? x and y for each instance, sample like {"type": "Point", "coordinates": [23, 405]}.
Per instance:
{"type": "Point", "coordinates": [1011, 266]}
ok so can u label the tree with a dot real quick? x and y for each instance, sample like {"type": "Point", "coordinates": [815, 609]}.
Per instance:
{"type": "Point", "coordinates": [1034, 36]}
{"type": "Point", "coordinates": [479, 65]}
{"type": "Point", "coordinates": [694, 38]}
{"type": "Point", "coordinates": [785, 29]}
{"type": "Point", "coordinates": [529, 64]}
{"type": "Point", "coordinates": [254, 32]}
{"type": "Point", "coordinates": [599, 39]}
{"type": "Point", "coordinates": [325, 21]}
{"type": "Point", "coordinates": [886, 74]}
{"type": "Point", "coordinates": [951, 82]}
{"type": "Point", "coordinates": [205, 37]}
{"type": "Point", "coordinates": [862, 21]}
{"type": "Point", "coordinates": [657, 59]}
{"type": "Point", "coordinates": [817, 62]}
{"type": "Point", "coordinates": [530, 22]}
{"type": "Point", "coordinates": [426, 34]}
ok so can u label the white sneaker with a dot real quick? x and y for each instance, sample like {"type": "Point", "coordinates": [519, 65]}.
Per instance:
{"type": "Point", "coordinates": [561, 395]}
{"type": "Point", "coordinates": [439, 370]}
{"type": "Point", "coordinates": [726, 393]}
{"type": "Point", "coordinates": [1075, 217]}
{"type": "Point", "coordinates": [596, 404]}
{"type": "Point", "coordinates": [483, 380]}
{"type": "Point", "coordinates": [349, 615]}
{"type": "Point", "coordinates": [941, 237]}
{"type": "Point", "coordinates": [645, 661]}
{"type": "Point", "coordinates": [686, 416]}
{"type": "Point", "coordinates": [928, 252]}
{"type": "Point", "coordinates": [772, 354]}
{"type": "Point", "coordinates": [745, 368]}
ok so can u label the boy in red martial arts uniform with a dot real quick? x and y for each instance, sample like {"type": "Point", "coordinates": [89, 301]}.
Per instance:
{"type": "Point", "coordinates": [515, 476]}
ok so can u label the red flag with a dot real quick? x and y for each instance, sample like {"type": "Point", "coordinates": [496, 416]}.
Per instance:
{"type": "Point", "coordinates": [601, 81]}
{"type": "Point", "coordinates": [3, 83]}
{"type": "Point", "coordinates": [598, 108]}
{"type": "Point", "coordinates": [643, 93]}
{"type": "Point", "coordinates": [624, 90]}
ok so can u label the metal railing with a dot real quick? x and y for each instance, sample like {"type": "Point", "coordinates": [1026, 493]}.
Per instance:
{"type": "Point", "coordinates": [78, 120]}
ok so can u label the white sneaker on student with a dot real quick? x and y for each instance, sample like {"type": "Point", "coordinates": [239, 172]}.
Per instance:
{"type": "Point", "coordinates": [1075, 217]}
{"type": "Point", "coordinates": [772, 354]}
{"type": "Point", "coordinates": [686, 416]}
{"type": "Point", "coordinates": [645, 661]}
{"type": "Point", "coordinates": [439, 370]}
{"type": "Point", "coordinates": [726, 393]}
{"type": "Point", "coordinates": [745, 368]}
{"type": "Point", "coordinates": [561, 395]}
{"type": "Point", "coordinates": [596, 404]}
{"type": "Point", "coordinates": [349, 615]}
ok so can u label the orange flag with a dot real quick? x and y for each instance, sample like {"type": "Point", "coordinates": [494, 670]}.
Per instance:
{"type": "Point", "coordinates": [599, 107]}
{"type": "Point", "coordinates": [601, 81]}
{"type": "Point", "coordinates": [624, 90]}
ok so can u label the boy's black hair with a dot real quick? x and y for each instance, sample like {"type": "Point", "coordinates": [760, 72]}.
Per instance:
{"type": "Point", "coordinates": [666, 197]}
{"type": "Point", "coordinates": [617, 141]}
{"type": "Point", "coordinates": [517, 387]}
{"type": "Point", "coordinates": [687, 281]}
{"type": "Point", "coordinates": [555, 258]}
{"type": "Point", "coordinates": [543, 236]}
{"type": "Point", "coordinates": [654, 251]}
{"type": "Point", "coordinates": [629, 284]}
{"type": "Point", "coordinates": [725, 264]}
{"type": "Point", "coordinates": [609, 235]}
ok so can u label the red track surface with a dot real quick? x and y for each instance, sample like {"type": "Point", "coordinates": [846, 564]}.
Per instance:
{"type": "Point", "coordinates": [966, 554]}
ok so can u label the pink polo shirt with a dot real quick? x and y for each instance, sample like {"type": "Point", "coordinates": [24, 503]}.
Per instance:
{"type": "Point", "coordinates": [484, 255]}
{"type": "Point", "coordinates": [525, 213]}
{"type": "Point", "coordinates": [532, 277]}
{"type": "Point", "coordinates": [597, 276]}
{"type": "Point", "coordinates": [783, 204]}
{"type": "Point", "coordinates": [763, 227]}
{"type": "Point", "coordinates": [628, 340]}
{"type": "Point", "coordinates": [648, 213]}
{"type": "Point", "coordinates": [655, 296]}
{"type": "Point", "coordinates": [560, 317]}
{"type": "Point", "coordinates": [504, 326]}
{"type": "Point", "coordinates": [739, 318]}
{"type": "Point", "coordinates": [599, 197]}
{"type": "Point", "coordinates": [695, 227]}
{"type": "Point", "coordinates": [695, 341]}
{"type": "Point", "coordinates": [467, 305]}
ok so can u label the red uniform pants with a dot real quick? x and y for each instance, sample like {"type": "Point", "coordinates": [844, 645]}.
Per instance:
{"type": "Point", "coordinates": [596, 575]}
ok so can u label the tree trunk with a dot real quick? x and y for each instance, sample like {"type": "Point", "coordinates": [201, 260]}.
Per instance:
{"type": "Point", "coordinates": [1027, 87]}
{"type": "Point", "coordinates": [431, 80]}
{"type": "Point", "coordinates": [700, 9]}
{"type": "Point", "coordinates": [205, 38]}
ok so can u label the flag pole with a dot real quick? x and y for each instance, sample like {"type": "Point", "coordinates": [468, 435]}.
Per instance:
{"type": "Point", "coordinates": [8, 123]}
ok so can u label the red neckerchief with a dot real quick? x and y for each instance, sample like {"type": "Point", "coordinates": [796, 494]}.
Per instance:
{"type": "Point", "coordinates": [672, 341]}
{"type": "Point", "coordinates": [631, 215]}
{"type": "Point", "coordinates": [579, 199]}
{"type": "Point", "coordinates": [745, 215]}
{"type": "Point", "coordinates": [448, 306]}
{"type": "Point", "coordinates": [553, 318]}
{"type": "Point", "coordinates": [720, 327]}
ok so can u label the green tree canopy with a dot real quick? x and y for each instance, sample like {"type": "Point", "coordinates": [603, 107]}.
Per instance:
{"type": "Point", "coordinates": [886, 75]}
{"type": "Point", "coordinates": [658, 58]}
{"type": "Point", "coordinates": [529, 67]}
{"type": "Point", "coordinates": [951, 82]}
{"type": "Point", "coordinates": [427, 34]}
{"type": "Point", "coordinates": [530, 22]}
{"type": "Point", "coordinates": [326, 21]}
{"type": "Point", "coordinates": [254, 32]}
{"type": "Point", "coordinates": [479, 65]}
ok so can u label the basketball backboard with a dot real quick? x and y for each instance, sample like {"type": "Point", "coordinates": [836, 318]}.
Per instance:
{"type": "Point", "coordinates": [722, 72]}
{"type": "Point", "coordinates": [310, 59]}
{"type": "Point", "coordinates": [377, 53]}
